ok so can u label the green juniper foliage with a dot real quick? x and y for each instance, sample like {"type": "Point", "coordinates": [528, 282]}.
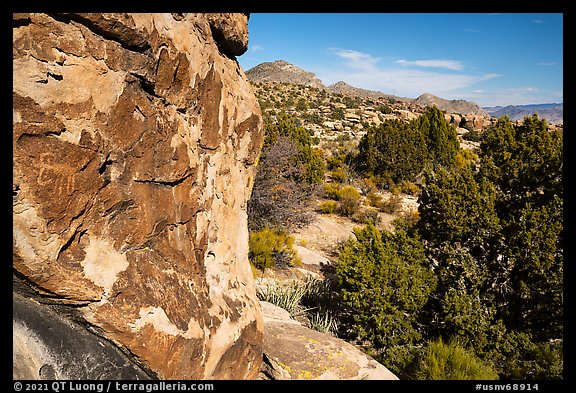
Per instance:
{"type": "Point", "coordinates": [482, 264]}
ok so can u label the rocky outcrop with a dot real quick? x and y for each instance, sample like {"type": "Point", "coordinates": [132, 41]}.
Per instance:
{"type": "Point", "coordinates": [450, 106]}
{"type": "Point", "coordinates": [344, 88]}
{"type": "Point", "coordinates": [283, 72]}
{"type": "Point", "coordinates": [292, 351]}
{"type": "Point", "coordinates": [134, 143]}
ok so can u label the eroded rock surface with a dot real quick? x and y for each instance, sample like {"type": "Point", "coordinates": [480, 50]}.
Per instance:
{"type": "Point", "coordinates": [134, 143]}
{"type": "Point", "coordinates": [293, 351]}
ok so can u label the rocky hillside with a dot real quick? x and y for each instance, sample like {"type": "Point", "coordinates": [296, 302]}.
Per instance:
{"type": "Point", "coordinates": [553, 113]}
{"type": "Point", "coordinates": [345, 89]}
{"type": "Point", "coordinates": [283, 72]}
{"type": "Point", "coordinates": [135, 138]}
{"type": "Point", "coordinates": [331, 116]}
{"type": "Point", "coordinates": [450, 106]}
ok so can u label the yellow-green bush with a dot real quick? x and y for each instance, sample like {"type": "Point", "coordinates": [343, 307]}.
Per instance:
{"type": "Point", "coordinates": [331, 191]}
{"type": "Point", "coordinates": [270, 248]}
{"type": "Point", "coordinates": [338, 176]}
{"type": "Point", "coordinates": [365, 216]}
{"type": "Point", "coordinates": [450, 361]}
{"type": "Point", "coordinates": [328, 207]}
{"type": "Point", "coordinates": [409, 188]}
{"type": "Point", "coordinates": [375, 200]}
{"type": "Point", "coordinates": [349, 199]}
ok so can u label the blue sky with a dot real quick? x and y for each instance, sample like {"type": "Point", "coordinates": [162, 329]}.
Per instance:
{"type": "Point", "coordinates": [491, 59]}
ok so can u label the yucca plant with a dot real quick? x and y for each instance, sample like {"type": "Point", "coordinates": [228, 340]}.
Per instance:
{"type": "Point", "coordinates": [287, 296]}
{"type": "Point", "coordinates": [323, 322]}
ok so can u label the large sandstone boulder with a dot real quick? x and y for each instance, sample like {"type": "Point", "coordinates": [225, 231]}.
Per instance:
{"type": "Point", "coordinates": [293, 351]}
{"type": "Point", "coordinates": [134, 143]}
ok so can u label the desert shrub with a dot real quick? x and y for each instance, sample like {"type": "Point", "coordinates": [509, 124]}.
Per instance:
{"type": "Point", "coordinates": [302, 104]}
{"type": "Point", "coordinates": [384, 280]}
{"type": "Point", "coordinates": [450, 361]}
{"type": "Point", "coordinates": [374, 199]}
{"type": "Point", "coordinates": [395, 189]}
{"type": "Point", "coordinates": [312, 118]}
{"type": "Point", "coordinates": [385, 109]}
{"type": "Point", "coordinates": [287, 296]}
{"type": "Point", "coordinates": [338, 176]}
{"type": "Point", "coordinates": [349, 199]}
{"type": "Point", "coordinates": [337, 114]}
{"type": "Point", "coordinates": [331, 191]}
{"type": "Point", "coordinates": [409, 188]}
{"type": "Point", "coordinates": [271, 248]}
{"type": "Point", "coordinates": [411, 216]}
{"type": "Point", "coordinates": [322, 321]}
{"type": "Point", "coordinates": [328, 207]}
{"type": "Point", "coordinates": [472, 135]}
{"type": "Point", "coordinates": [391, 205]}
{"type": "Point", "coordinates": [465, 157]}
{"type": "Point", "coordinates": [368, 186]}
{"type": "Point", "coordinates": [289, 174]}
{"type": "Point", "coordinates": [366, 216]}
{"type": "Point", "coordinates": [298, 297]}
{"type": "Point", "coordinates": [400, 359]}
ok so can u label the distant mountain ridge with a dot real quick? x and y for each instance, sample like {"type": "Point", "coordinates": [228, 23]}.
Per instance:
{"type": "Point", "coordinates": [451, 106]}
{"type": "Point", "coordinates": [344, 88]}
{"type": "Point", "coordinates": [553, 113]}
{"type": "Point", "coordinates": [282, 71]}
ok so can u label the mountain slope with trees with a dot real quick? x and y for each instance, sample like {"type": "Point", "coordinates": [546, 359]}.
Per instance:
{"type": "Point", "coordinates": [472, 276]}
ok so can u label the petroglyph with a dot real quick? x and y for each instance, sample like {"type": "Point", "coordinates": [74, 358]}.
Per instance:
{"type": "Point", "coordinates": [58, 175]}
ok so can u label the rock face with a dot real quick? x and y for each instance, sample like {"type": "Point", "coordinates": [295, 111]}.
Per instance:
{"type": "Point", "coordinates": [47, 346]}
{"type": "Point", "coordinates": [292, 351]}
{"type": "Point", "coordinates": [134, 143]}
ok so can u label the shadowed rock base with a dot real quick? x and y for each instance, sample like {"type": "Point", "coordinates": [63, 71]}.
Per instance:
{"type": "Point", "coordinates": [47, 346]}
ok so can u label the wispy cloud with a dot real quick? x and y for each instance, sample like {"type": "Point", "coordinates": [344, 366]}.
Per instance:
{"type": "Point", "coordinates": [537, 21]}
{"type": "Point", "coordinates": [547, 63]}
{"type": "Point", "coordinates": [395, 77]}
{"type": "Point", "coordinates": [355, 59]}
{"type": "Point", "coordinates": [453, 65]}
{"type": "Point", "coordinates": [405, 78]}
{"type": "Point", "coordinates": [256, 48]}
{"type": "Point", "coordinates": [471, 30]}
{"type": "Point", "coordinates": [522, 95]}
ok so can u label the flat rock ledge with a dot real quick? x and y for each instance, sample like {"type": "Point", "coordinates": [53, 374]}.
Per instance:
{"type": "Point", "coordinates": [293, 351]}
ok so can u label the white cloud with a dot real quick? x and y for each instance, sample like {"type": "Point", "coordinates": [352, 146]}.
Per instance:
{"type": "Point", "coordinates": [355, 59]}
{"type": "Point", "coordinates": [453, 65]}
{"type": "Point", "coordinates": [513, 96]}
{"type": "Point", "coordinates": [537, 21]}
{"type": "Point", "coordinates": [404, 82]}
{"type": "Point", "coordinates": [471, 30]}
{"type": "Point", "coordinates": [256, 48]}
{"type": "Point", "coordinates": [369, 72]}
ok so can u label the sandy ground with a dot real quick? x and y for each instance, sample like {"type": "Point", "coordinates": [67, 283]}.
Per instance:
{"type": "Point", "coordinates": [319, 242]}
